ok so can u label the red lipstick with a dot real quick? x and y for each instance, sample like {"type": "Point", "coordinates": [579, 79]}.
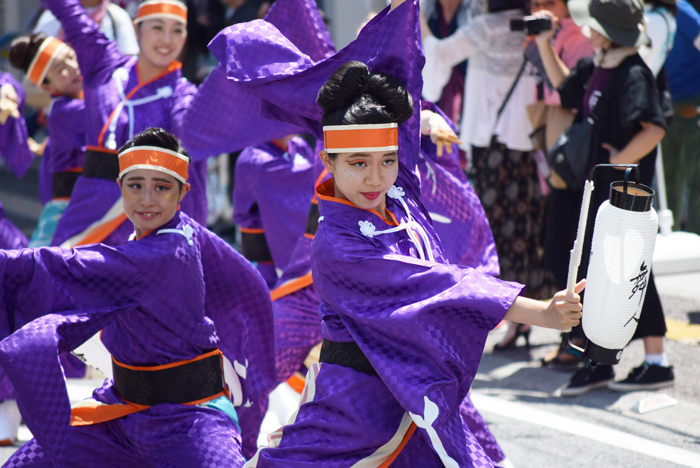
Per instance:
{"type": "Point", "coordinates": [371, 195]}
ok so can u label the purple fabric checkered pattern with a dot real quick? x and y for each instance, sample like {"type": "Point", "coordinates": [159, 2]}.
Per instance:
{"type": "Point", "coordinates": [158, 300]}
{"type": "Point", "coordinates": [301, 22]}
{"type": "Point", "coordinates": [297, 330]}
{"type": "Point", "coordinates": [259, 57]}
{"type": "Point", "coordinates": [477, 426]}
{"type": "Point", "coordinates": [167, 436]}
{"type": "Point", "coordinates": [272, 191]}
{"type": "Point", "coordinates": [10, 236]}
{"type": "Point", "coordinates": [13, 135]}
{"type": "Point", "coordinates": [446, 191]}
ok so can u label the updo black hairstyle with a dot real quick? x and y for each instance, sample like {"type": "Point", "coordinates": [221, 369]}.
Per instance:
{"type": "Point", "coordinates": [155, 136]}
{"type": "Point", "coordinates": [23, 50]}
{"type": "Point", "coordinates": [353, 95]}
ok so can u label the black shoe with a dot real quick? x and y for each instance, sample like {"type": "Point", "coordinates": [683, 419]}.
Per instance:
{"type": "Point", "coordinates": [645, 377]}
{"type": "Point", "coordinates": [588, 378]}
{"type": "Point", "coordinates": [520, 330]}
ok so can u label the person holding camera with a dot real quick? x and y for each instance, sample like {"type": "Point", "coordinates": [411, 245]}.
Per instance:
{"type": "Point", "coordinates": [495, 129]}
{"type": "Point", "coordinates": [570, 45]}
{"type": "Point", "coordinates": [629, 124]}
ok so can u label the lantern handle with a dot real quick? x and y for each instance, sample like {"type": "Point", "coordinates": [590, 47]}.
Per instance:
{"type": "Point", "coordinates": [628, 166]}
{"type": "Point", "coordinates": [626, 179]}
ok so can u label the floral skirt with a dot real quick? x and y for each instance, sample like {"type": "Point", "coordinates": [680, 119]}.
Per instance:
{"type": "Point", "coordinates": [508, 185]}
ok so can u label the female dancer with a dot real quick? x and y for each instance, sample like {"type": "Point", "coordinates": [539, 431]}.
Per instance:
{"type": "Point", "coordinates": [168, 404]}
{"type": "Point", "coordinates": [274, 183]}
{"type": "Point", "coordinates": [403, 331]}
{"type": "Point", "coordinates": [123, 95]}
{"type": "Point", "coordinates": [52, 65]}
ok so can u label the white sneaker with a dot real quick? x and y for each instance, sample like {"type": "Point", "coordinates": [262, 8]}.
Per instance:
{"type": "Point", "coordinates": [10, 420]}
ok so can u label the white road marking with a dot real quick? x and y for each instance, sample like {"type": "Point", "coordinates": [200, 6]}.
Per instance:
{"type": "Point", "coordinates": [591, 431]}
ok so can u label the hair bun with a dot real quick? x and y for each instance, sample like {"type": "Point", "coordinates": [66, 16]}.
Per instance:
{"type": "Point", "coordinates": [353, 95]}
{"type": "Point", "coordinates": [345, 86]}
{"type": "Point", "coordinates": [23, 50]}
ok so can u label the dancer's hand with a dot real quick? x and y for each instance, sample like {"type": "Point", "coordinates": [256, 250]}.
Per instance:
{"type": "Point", "coordinates": [439, 130]}
{"type": "Point", "coordinates": [564, 310]}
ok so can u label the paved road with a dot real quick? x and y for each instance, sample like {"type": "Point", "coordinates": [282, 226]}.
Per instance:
{"type": "Point", "coordinates": [537, 428]}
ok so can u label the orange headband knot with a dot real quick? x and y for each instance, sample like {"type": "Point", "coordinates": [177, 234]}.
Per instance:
{"type": "Point", "coordinates": [48, 50]}
{"type": "Point", "coordinates": [161, 9]}
{"type": "Point", "coordinates": [156, 159]}
{"type": "Point", "coordinates": [361, 138]}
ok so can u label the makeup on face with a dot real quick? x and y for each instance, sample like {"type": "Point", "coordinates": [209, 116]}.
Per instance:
{"type": "Point", "coordinates": [365, 178]}
{"type": "Point", "coordinates": [151, 198]}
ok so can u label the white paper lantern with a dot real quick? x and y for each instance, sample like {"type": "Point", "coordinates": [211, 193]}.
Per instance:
{"type": "Point", "coordinates": [618, 272]}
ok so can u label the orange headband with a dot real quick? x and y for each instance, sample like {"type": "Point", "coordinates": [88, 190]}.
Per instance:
{"type": "Point", "coordinates": [48, 50]}
{"type": "Point", "coordinates": [161, 9]}
{"type": "Point", "coordinates": [359, 138]}
{"type": "Point", "coordinates": [154, 158]}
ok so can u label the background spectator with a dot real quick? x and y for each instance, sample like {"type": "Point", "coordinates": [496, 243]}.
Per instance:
{"type": "Point", "coordinates": [630, 123]}
{"type": "Point", "coordinates": [506, 175]}
{"type": "Point", "coordinates": [682, 143]}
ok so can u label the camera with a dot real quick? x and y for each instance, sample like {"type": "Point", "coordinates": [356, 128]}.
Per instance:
{"type": "Point", "coordinates": [531, 25]}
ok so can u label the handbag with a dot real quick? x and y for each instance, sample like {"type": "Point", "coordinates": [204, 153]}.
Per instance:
{"type": "Point", "coordinates": [570, 155]}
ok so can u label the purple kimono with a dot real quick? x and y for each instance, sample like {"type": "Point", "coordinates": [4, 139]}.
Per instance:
{"type": "Point", "coordinates": [271, 201]}
{"type": "Point", "coordinates": [16, 154]}
{"type": "Point", "coordinates": [61, 164]}
{"type": "Point", "coordinates": [171, 296]}
{"type": "Point", "coordinates": [420, 322]}
{"type": "Point", "coordinates": [118, 106]}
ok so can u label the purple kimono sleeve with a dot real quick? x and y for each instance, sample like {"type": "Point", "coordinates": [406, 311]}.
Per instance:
{"type": "Point", "coordinates": [13, 135]}
{"type": "Point", "coordinates": [34, 351]}
{"type": "Point", "coordinates": [238, 299]}
{"type": "Point", "coordinates": [36, 282]}
{"type": "Point", "coordinates": [244, 194]}
{"type": "Point", "coordinates": [223, 117]}
{"type": "Point", "coordinates": [422, 325]}
{"type": "Point", "coordinates": [60, 298]}
{"type": "Point", "coordinates": [259, 57]}
{"type": "Point", "coordinates": [95, 51]}
{"type": "Point", "coordinates": [301, 22]}
{"type": "Point", "coordinates": [66, 125]}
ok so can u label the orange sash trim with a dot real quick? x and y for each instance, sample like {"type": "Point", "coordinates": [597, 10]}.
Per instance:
{"type": "Point", "coordinates": [326, 192]}
{"type": "Point", "coordinates": [297, 383]}
{"type": "Point", "coordinates": [251, 230]}
{"type": "Point", "coordinates": [90, 411]}
{"type": "Point", "coordinates": [291, 286]}
{"type": "Point", "coordinates": [161, 8]}
{"type": "Point", "coordinates": [171, 365]}
{"type": "Point", "coordinates": [401, 446]}
{"type": "Point", "coordinates": [103, 231]}
{"type": "Point", "coordinates": [359, 138]}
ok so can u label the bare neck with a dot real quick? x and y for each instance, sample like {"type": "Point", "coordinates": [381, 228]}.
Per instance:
{"type": "Point", "coordinates": [147, 71]}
